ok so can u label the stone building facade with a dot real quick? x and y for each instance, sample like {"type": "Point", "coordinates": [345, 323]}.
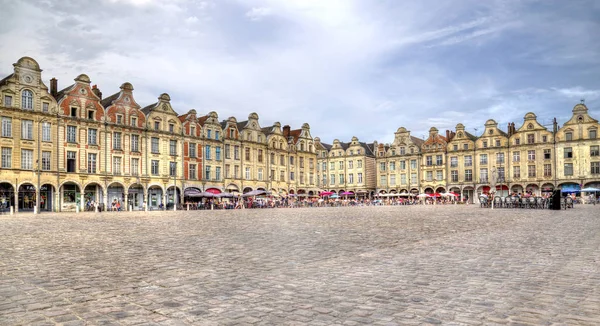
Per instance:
{"type": "Point", "coordinates": [63, 149]}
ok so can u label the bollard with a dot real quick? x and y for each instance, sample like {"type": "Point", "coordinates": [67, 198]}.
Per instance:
{"type": "Point", "coordinates": [77, 209]}
{"type": "Point", "coordinates": [35, 210]}
{"type": "Point", "coordinates": [211, 207]}
{"type": "Point", "coordinates": [188, 207]}
{"type": "Point", "coordinates": [96, 208]}
{"type": "Point", "coordinates": [12, 211]}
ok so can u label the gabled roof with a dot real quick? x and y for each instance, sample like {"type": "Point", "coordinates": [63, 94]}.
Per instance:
{"type": "Point", "coordinates": [4, 80]}
{"type": "Point", "coordinates": [107, 101]}
{"type": "Point", "coordinates": [417, 141]}
{"type": "Point", "coordinates": [369, 148]}
{"type": "Point", "coordinates": [62, 92]}
{"type": "Point", "coordinates": [326, 146]}
{"type": "Point", "coordinates": [470, 136]}
{"type": "Point", "coordinates": [242, 124]}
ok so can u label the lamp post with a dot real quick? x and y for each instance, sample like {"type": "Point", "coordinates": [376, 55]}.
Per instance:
{"type": "Point", "coordinates": [38, 192]}
{"type": "Point", "coordinates": [174, 183]}
{"type": "Point", "coordinates": [493, 179]}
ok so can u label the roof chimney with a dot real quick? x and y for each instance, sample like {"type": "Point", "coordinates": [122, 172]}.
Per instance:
{"type": "Point", "coordinates": [97, 91]}
{"type": "Point", "coordinates": [286, 131]}
{"type": "Point", "coordinates": [53, 86]}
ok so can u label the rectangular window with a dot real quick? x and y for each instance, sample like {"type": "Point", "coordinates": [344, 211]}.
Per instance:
{"type": "Point", "coordinates": [350, 164]}
{"type": "Point", "coordinates": [324, 168]}
{"type": "Point", "coordinates": [282, 176]}
{"type": "Point", "coordinates": [45, 106]}
{"type": "Point", "coordinates": [595, 168]}
{"type": "Point", "coordinates": [497, 142]}
{"type": "Point", "coordinates": [468, 160]}
{"type": "Point", "coordinates": [413, 178]}
{"type": "Point", "coordinates": [260, 174]}
{"type": "Point", "coordinates": [453, 161]}
{"type": "Point", "coordinates": [171, 127]}
{"type": "Point", "coordinates": [300, 161]}
{"type": "Point", "coordinates": [516, 156]}
{"type": "Point", "coordinates": [593, 134]}
{"type": "Point", "coordinates": [6, 127]}
{"type": "Point", "coordinates": [332, 179]}
{"type": "Point", "coordinates": [217, 169]}
{"type": "Point", "coordinates": [483, 175]}
{"type": "Point", "coordinates": [413, 164]}
{"type": "Point", "coordinates": [173, 169]}
{"type": "Point", "coordinates": [74, 112]}
{"type": "Point", "coordinates": [247, 154]}
{"type": "Point", "coordinates": [547, 170]}
{"type": "Point", "coordinates": [117, 165]}
{"type": "Point", "coordinates": [292, 176]}
{"type": "Point", "coordinates": [134, 122]}
{"type": "Point", "coordinates": [7, 101]}
{"type": "Point", "coordinates": [172, 147]}
{"type": "Point", "coordinates": [530, 138]}
{"type": "Point", "coordinates": [568, 152]}
{"type": "Point", "coordinates": [154, 145]}
{"type": "Point", "coordinates": [439, 175]}
{"type": "Point", "coordinates": [71, 161]}
{"type": "Point", "coordinates": [291, 160]}
{"type": "Point", "coordinates": [568, 169]}
{"type": "Point", "coordinates": [332, 166]}
{"type": "Point", "coordinates": [454, 175]}
{"type": "Point", "coordinates": [465, 146]}
{"type": "Point", "coordinates": [531, 155]}
{"type": "Point", "coordinates": [192, 149]}
{"type": "Point", "coordinates": [27, 129]}
{"type": "Point", "coordinates": [135, 166]}
{"type": "Point", "coordinates": [341, 178]}
{"type": "Point", "coordinates": [193, 131]}
{"type": "Point", "coordinates": [382, 180]}
{"type": "Point", "coordinates": [71, 134]}
{"type": "Point", "coordinates": [429, 175]}
{"type": "Point", "coordinates": [351, 178]}
{"type": "Point", "coordinates": [90, 115]}
{"type": "Point", "coordinates": [6, 158]}
{"type": "Point", "coordinates": [26, 159]}
{"type": "Point", "coordinates": [483, 159]}
{"type": "Point", "coordinates": [227, 151]}
{"type": "Point", "coordinates": [468, 175]}
{"type": "Point", "coordinates": [392, 166]}
{"type": "Point", "coordinates": [544, 139]}
{"type": "Point", "coordinates": [92, 163]}
{"type": "Point", "coordinates": [499, 158]}
{"type": "Point", "coordinates": [531, 171]}
{"type": "Point", "coordinates": [381, 166]}
{"type": "Point", "coordinates": [569, 136]}
{"type": "Point", "coordinates": [46, 161]}
{"type": "Point", "coordinates": [248, 173]}
{"type": "Point", "coordinates": [402, 165]}
{"type": "Point", "coordinates": [156, 125]}
{"type": "Point", "coordinates": [547, 154]}
{"type": "Point", "coordinates": [227, 170]}
{"type": "Point", "coordinates": [281, 160]}
{"type": "Point", "coordinates": [46, 131]}
{"type": "Point", "coordinates": [260, 156]}
{"type": "Point", "coordinates": [119, 119]}
{"type": "Point", "coordinates": [117, 141]}
{"type": "Point", "coordinates": [516, 172]}
{"type": "Point", "coordinates": [192, 172]}
{"type": "Point", "coordinates": [485, 144]}
{"type": "Point", "coordinates": [207, 152]}
{"type": "Point", "coordinates": [455, 147]}
{"type": "Point", "coordinates": [501, 174]}
{"type": "Point", "coordinates": [231, 133]}
{"type": "Point", "coordinates": [236, 171]}
{"type": "Point", "coordinates": [135, 143]}
{"type": "Point", "coordinates": [594, 150]}
{"type": "Point", "coordinates": [517, 141]}
{"type": "Point", "coordinates": [439, 160]}
{"type": "Point", "coordinates": [207, 172]}
{"type": "Point", "coordinates": [217, 137]}
{"type": "Point", "coordinates": [92, 136]}
{"type": "Point", "coordinates": [429, 160]}
{"type": "Point", "coordinates": [154, 167]}
{"type": "Point", "coordinates": [403, 179]}
{"type": "Point", "coordinates": [359, 164]}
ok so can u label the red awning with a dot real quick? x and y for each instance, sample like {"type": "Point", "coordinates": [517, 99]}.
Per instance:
{"type": "Point", "coordinates": [213, 191]}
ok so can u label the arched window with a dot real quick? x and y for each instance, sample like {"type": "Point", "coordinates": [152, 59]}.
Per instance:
{"type": "Point", "coordinates": [27, 100]}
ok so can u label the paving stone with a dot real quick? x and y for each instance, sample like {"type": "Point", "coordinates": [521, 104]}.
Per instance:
{"type": "Point", "coordinates": [406, 265]}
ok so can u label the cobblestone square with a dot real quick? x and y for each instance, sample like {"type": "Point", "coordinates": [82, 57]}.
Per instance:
{"type": "Point", "coordinates": [401, 265]}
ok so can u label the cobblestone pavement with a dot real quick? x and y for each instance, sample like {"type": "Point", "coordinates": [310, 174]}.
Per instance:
{"type": "Point", "coordinates": [450, 265]}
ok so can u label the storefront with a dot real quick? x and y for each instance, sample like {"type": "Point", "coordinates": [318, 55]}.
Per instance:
{"type": "Point", "coordinates": [26, 198]}
{"type": "Point", "coordinates": [7, 196]}
{"type": "Point", "coordinates": [155, 199]}
{"type": "Point", "coordinates": [71, 197]}
{"type": "Point", "coordinates": [135, 198]}
{"type": "Point", "coordinates": [92, 194]}
{"type": "Point", "coordinates": [46, 198]}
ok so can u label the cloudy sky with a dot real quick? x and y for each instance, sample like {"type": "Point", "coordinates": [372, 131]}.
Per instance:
{"type": "Point", "coordinates": [347, 67]}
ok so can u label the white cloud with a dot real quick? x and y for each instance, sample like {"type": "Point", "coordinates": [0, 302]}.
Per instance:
{"type": "Point", "coordinates": [257, 14]}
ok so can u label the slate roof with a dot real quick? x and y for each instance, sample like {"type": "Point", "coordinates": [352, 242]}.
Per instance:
{"type": "Point", "coordinates": [4, 80]}
{"type": "Point", "coordinates": [242, 124]}
{"type": "Point", "coordinates": [62, 92]}
{"type": "Point", "coordinates": [107, 101]}
{"type": "Point", "coordinates": [146, 110]}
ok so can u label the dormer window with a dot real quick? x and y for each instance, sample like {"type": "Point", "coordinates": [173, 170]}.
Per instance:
{"type": "Point", "coordinates": [45, 106]}
{"type": "Point", "coordinates": [73, 112]}
{"type": "Point", "coordinates": [485, 144]}
{"type": "Point", "coordinates": [517, 141]}
{"type": "Point", "coordinates": [171, 127]}
{"type": "Point", "coordinates": [133, 121]}
{"type": "Point", "coordinates": [7, 101]}
{"type": "Point", "coordinates": [592, 134]}
{"type": "Point", "coordinates": [497, 142]}
{"type": "Point", "coordinates": [90, 114]}
{"type": "Point", "coordinates": [119, 119]}
{"type": "Point", "coordinates": [156, 125]}
{"type": "Point", "coordinates": [568, 136]}
{"type": "Point", "coordinates": [193, 131]}
{"type": "Point", "coordinates": [208, 133]}
{"type": "Point", "coordinates": [27, 100]}
{"type": "Point", "coordinates": [232, 133]}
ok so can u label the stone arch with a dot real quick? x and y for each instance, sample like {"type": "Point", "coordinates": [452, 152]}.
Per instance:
{"type": "Point", "coordinates": [154, 184]}
{"type": "Point", "coordinates": [71, 181]}
{"type": "Point", "coordinates": [247, 189]}
{"type": "Point", "coordinates": [26, 182]}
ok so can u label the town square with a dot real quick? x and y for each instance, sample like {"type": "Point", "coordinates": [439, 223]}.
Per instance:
{"type": "Point", "coordinates": [376, 265]}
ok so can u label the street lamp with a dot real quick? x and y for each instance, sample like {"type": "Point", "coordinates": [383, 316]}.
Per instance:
{"type": "Point", "coordinates": [493, 179]}
{"type": "Point", "coordinates": [37, 195]}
